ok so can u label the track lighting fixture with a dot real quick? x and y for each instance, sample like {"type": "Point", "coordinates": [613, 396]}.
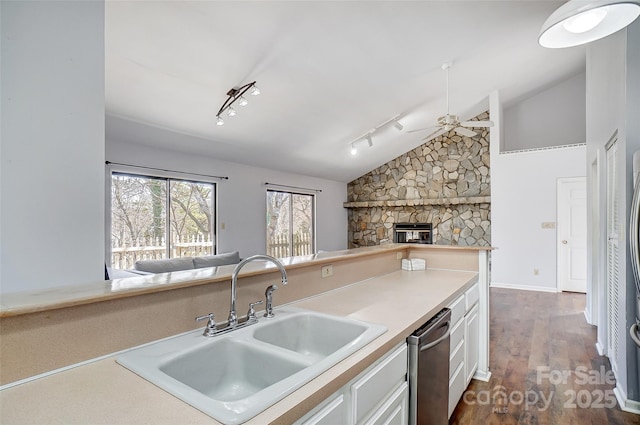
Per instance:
{"type": "Point", "coordinates": [236, 94]}
{"type": "Point", "coordinates": [368, 136]}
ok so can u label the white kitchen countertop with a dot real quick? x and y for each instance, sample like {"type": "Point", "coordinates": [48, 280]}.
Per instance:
{"type": "Point", "coordinates": [104, 392]}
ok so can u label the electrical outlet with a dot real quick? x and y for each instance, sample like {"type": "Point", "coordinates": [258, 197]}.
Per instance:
{"type": "Point", "coordinates": [536, 272]}
{"type": "Point", "coordinates": [548, 225]}
{"type": "Point", "coordinates": [327, 271]}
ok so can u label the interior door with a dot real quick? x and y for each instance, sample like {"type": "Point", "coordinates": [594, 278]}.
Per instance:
{"type": "Point", "coordinates": [572, 234]}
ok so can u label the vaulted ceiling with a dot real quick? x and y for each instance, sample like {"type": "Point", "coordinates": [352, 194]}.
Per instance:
{"type": "Point", "coordinates": [329, 72]}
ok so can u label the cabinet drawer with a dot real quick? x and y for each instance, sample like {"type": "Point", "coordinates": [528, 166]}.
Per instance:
{"type": "Point", "coordinates": [456, 359]}
{"type": "Point", "coordinates": [458, 309]}
{"type": "Point", "coordinates": [378, 382]}
{"type": "Point", "coordinates": [395, 411]}
{"type": "Point", "coordinates": [472, 296]}
{"type": "Point", "coordinates": [457, 335]}
{"type": "Point", "coordinates": [456, 388]}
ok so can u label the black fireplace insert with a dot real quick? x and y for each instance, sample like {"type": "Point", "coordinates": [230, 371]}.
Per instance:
{"type": "Point", "coordinates": [413, 233]}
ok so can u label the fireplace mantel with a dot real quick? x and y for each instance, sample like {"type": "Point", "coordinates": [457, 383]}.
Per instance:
{"type": "Point", "coordinates": [472, 200]}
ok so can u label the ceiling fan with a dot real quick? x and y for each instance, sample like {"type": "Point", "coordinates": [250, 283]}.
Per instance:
{"type": "Point", "coordinates": [450, 122]}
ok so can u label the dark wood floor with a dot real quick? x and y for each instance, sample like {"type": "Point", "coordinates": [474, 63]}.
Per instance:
{"type": "Point", "coordinates": [544, 364]}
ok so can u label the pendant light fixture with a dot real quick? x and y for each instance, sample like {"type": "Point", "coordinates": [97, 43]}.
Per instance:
{"type": "Point", "coordinates": [582, 21]}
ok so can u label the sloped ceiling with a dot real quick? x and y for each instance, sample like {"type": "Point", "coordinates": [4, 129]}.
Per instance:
{"type": "Point", "coordinates": [329, 72]}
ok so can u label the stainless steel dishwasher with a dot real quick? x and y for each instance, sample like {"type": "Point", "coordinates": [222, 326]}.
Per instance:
{"type": "Point", "coordinates": [429, 371]}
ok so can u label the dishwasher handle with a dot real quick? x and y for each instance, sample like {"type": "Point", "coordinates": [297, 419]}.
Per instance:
{"type": "Point", "coordinates": [439, 340]}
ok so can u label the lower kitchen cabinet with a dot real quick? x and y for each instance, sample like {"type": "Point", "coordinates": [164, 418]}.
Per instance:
{"type": "Point", "coordinates": [464, 344]}
{"type": "Point", "coordinates": [395, 411]}
{"type": "Point", "coordinates": [331, 412]}
{"type": "Point", "coordinates": [471, 342]}
{"type": "Point", "coordinates": [379, 395]}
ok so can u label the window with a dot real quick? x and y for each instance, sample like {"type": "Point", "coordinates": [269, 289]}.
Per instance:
{"type": "Point", "coordinates": [290, 224]}
{"type": "Point", "coordinates": [155, 217]}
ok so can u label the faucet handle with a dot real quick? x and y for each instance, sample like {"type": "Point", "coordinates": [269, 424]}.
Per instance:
{"type": "Point", "coordinates": [211, 320]}
{"type": "Point", "coordinates": [251, 314]}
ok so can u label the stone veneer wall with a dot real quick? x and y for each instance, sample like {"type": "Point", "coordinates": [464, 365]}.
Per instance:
{"type": "Point", "coordinates": [445, 181]}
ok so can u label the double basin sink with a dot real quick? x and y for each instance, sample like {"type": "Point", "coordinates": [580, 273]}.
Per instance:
{"type": "Point", "coordinates": [235, 376]}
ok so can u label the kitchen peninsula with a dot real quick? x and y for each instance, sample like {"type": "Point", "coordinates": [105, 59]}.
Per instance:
{"type": "Point", "coordinates": [42, 332]}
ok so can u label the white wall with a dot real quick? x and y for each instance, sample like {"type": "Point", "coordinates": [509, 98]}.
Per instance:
{"type": "Point", "coordinates": [52, 144]}
{"type": "Point", "coordinates": [553, 117]}
{"type": "Point", "coordinates": [242, 198]}
{"type": "Point", "coordinates": [613, 104]}
{"type": "Point", "coordinates": [523, 196]}
{"type": "Point", "coordinates": [524, 184]}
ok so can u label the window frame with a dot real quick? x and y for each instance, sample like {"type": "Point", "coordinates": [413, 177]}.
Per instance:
{"type": "Point", "coordinates": [291, 193]}
{"type": "Point", "coordinates": [167, 176]}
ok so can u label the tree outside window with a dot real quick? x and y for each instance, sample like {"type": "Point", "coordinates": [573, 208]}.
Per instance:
{"type": "Point", "coordinates": [290, 224]}
{"type": "Point", "coordinates": [153, 218]}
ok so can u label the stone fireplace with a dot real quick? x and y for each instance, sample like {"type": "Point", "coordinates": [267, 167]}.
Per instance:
{"type": "Point", "coordinates": [445, 181]}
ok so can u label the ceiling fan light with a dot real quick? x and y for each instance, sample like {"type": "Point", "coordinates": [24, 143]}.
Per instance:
{"type": "Point", "coordinates": [354, 150]}
{"type": "Point", "coordinates": [219, 121]}
{"type": "Point", "coordinates": [231, 112]}
{"type": "Point", "coordinates": [255, 91]}
{"type": "Point", "coordinates": [243, 101]}
{"type": "Point", "coordinates": [579, 22]}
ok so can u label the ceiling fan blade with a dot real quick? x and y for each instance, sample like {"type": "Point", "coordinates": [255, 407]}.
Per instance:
{"type": "Point", "coordinates": [478, 124]}
{"type": "Point", "coordinates": [464, 132]}
{"type": "Point", "coordinates": [422, 129]}
{"type": "Point", "coordinates": [434, 134]}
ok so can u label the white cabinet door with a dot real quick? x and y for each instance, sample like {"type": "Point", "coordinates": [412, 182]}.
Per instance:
{"type": "Point", "coordinates": [368, 391]}
{"type": "Point", "coordinates": [332, 413]}
{"type": "Point", "coordinates": [471, 343]}
{"type": "Point", "coordinates": [456, 388]}
{"type": "Point", "coordinates": [395, 411]}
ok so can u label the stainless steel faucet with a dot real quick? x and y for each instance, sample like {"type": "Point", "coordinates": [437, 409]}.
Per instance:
{"type": "Point", "coordinates": [233, 317]}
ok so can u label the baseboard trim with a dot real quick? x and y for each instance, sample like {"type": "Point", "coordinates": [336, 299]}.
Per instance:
{"type": "Point", "coordinates": [523, 287]}
{"type": "Point", "coordinates": [587, 317]}
{"type": "Point", "coordinates": [626, 404]}
{"type": "Point", "coordinates": [600, 349]}
{"type": "Point", "coordinates": [482, 375]}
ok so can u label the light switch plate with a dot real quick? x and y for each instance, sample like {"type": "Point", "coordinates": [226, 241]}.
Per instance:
{"type": "Point", "coordinates": [548, 225]}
